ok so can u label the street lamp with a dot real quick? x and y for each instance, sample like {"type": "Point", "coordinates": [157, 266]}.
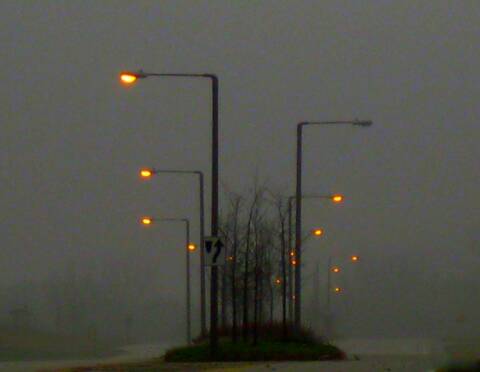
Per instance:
{"type": "Point", "coordinates": [147, 174]}
{"type": "Point", "coordinates": [317, 232]}
{"type": "Point", "coordinates": [354, 258]}
{"type": "Point", "coordinates": [298, 214]}
{"type": "Point", "coordinates": [129, 77]}
{"type": "Point", "coordinates": [337, 198]}
{"type": "Point", "coordinates": [189, 247]}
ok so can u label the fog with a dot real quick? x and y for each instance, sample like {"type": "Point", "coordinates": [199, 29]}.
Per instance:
{"type": "Point", "coordinates": [73, 139]}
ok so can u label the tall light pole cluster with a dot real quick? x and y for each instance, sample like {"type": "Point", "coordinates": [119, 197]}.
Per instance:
{"type": "Point", "coordinates": [148, 173]}
{"type": "Point", "coordinates": [129, 78]}
{"type": "Point", "coordinates": [298, 206]}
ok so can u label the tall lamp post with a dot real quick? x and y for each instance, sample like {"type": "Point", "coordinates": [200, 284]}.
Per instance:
{"type": "Point", "coordinates": [189, 247]}
{"type": "Point", "coordinates": [298, 208]}
{"type": "Point", "coordinates": [128, 77]}
{"type": "Point", "coordinates": [147, 173]}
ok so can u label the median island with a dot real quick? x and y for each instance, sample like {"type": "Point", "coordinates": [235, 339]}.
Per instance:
{"type": "Point", "coordinates": [271, 344]}
{"type": "Point", "coordinates": [262, 351]}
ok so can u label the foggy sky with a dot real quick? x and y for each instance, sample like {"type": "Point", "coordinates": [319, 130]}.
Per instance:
{"type": "Point", "coordinates": [72, 138]}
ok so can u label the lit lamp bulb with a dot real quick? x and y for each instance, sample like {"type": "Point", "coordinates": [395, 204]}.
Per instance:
{"type": "Point", "coordinates": [147, 221]}
{"type": "Point", "coordinates": [146, 173]}
{"type": "Point", "coordinates": [191, 247]}
{"type": "Point", "coordinates": [335, 269]}
{"type": "Point", "coordinates": [127, 78]}
{"type": "Point", "coordinates": [318, 232]}
{"type": "Point", "coordinates": [337, 198]}
{"type": "Point", "coordinates": [337, 289]}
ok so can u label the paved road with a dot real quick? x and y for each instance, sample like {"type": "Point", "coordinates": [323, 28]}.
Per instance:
{"type": "Point", "coordinates": [403, 355]}
{"type": "Point", "coordinates": [131, 353]}
{"type": "Point", "coordinates": [375, 355]}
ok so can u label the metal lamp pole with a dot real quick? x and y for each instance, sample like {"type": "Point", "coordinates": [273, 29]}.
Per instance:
{"type": "Point", "coordinates": [298, 209]}
{"type": "Point", "coordinates": [152, 171]}
{"type": "Point", "coordinates": [131, 77]}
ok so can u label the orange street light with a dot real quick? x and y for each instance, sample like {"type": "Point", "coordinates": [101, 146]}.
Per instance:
{"type": "Point", "coordinates": [128, 77]}
{"type": "Point", "coordinates": [147, 221]}
{"type": "Point", "coordinates": [335, 269]}
{"type": "Point", "coordinates": [337, 289]}
{"type": "Point", "coordinates": [230, 258]}
{"type": "Point", "coordinates": [337, 198]}
{"type": "Point", "coordinates": [277, 281]}
{"type": "Point", "coordinates": [146, 173]}
{"type": "Point", "coordinates": [294, 262]}
{"type": "Point", "coordinates": [318, 232]}
{"type": "Point", "coordinates": [191, 247]}
{"type": "Point", "coordinates": [354, 258]}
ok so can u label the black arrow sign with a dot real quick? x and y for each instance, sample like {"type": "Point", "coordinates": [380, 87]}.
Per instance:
{"type": "Point", "coordinates": [208, 246]}
{"type": "Point", "coordinates": [218, 247]}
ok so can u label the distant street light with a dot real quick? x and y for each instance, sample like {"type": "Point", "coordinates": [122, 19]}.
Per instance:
{"type": "Point", "coordinates": [147, 174]}
{"type": "Point", "coordinates": [128, 78]}
{"type": "Point", "coordinates": [354, 258]}
{"type": "Point", "coordinates": [189, 247]}
{"type": "Point", "coordinates": [337, 289]}
{"type": "Point", "coordinates": [298, 214]}
{"type": "Point", "coordinates": [317, 232]}
{"type": "Point", "coordinates": [335, 198]}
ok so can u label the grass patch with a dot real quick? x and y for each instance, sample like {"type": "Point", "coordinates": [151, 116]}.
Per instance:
{"type": "Point", "coordinates": [263, 351]}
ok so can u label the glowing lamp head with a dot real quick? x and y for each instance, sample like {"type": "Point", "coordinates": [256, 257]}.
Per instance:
{"type": "Point", "coordinates": [191, 247]}
{"type": "Point", "coordinates": [337, 289]}
{"type": "Point", "coordinates": [318, 232]}
{"type": "Point", "coordinates": [146, 173]}
{"type": "Point", "coordinates": [128, 78]}
{"type": "Point", "coordinates": [294, 262]}
{"type": "Point", "coordinates": [335, 269]}
{"type": "Point", "coordinates": [292, 253]}
{"type": "Point", "coordinates": [337, 198]}
{"type": "Point", "coordinates": [354, 258]}
{"type": "Point", "coordinates": [277, 281]}
{"type": "Point", "coordinates": [147, 221]}
{"type": "Point", "coordinates": [230, 258]}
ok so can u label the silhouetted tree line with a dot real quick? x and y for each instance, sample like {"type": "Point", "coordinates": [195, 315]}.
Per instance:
{"type": "Point", "coordinates": [255, 278]}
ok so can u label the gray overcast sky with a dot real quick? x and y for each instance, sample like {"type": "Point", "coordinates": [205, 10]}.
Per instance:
{"type": "Point", "coordinates": [72, 138]}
